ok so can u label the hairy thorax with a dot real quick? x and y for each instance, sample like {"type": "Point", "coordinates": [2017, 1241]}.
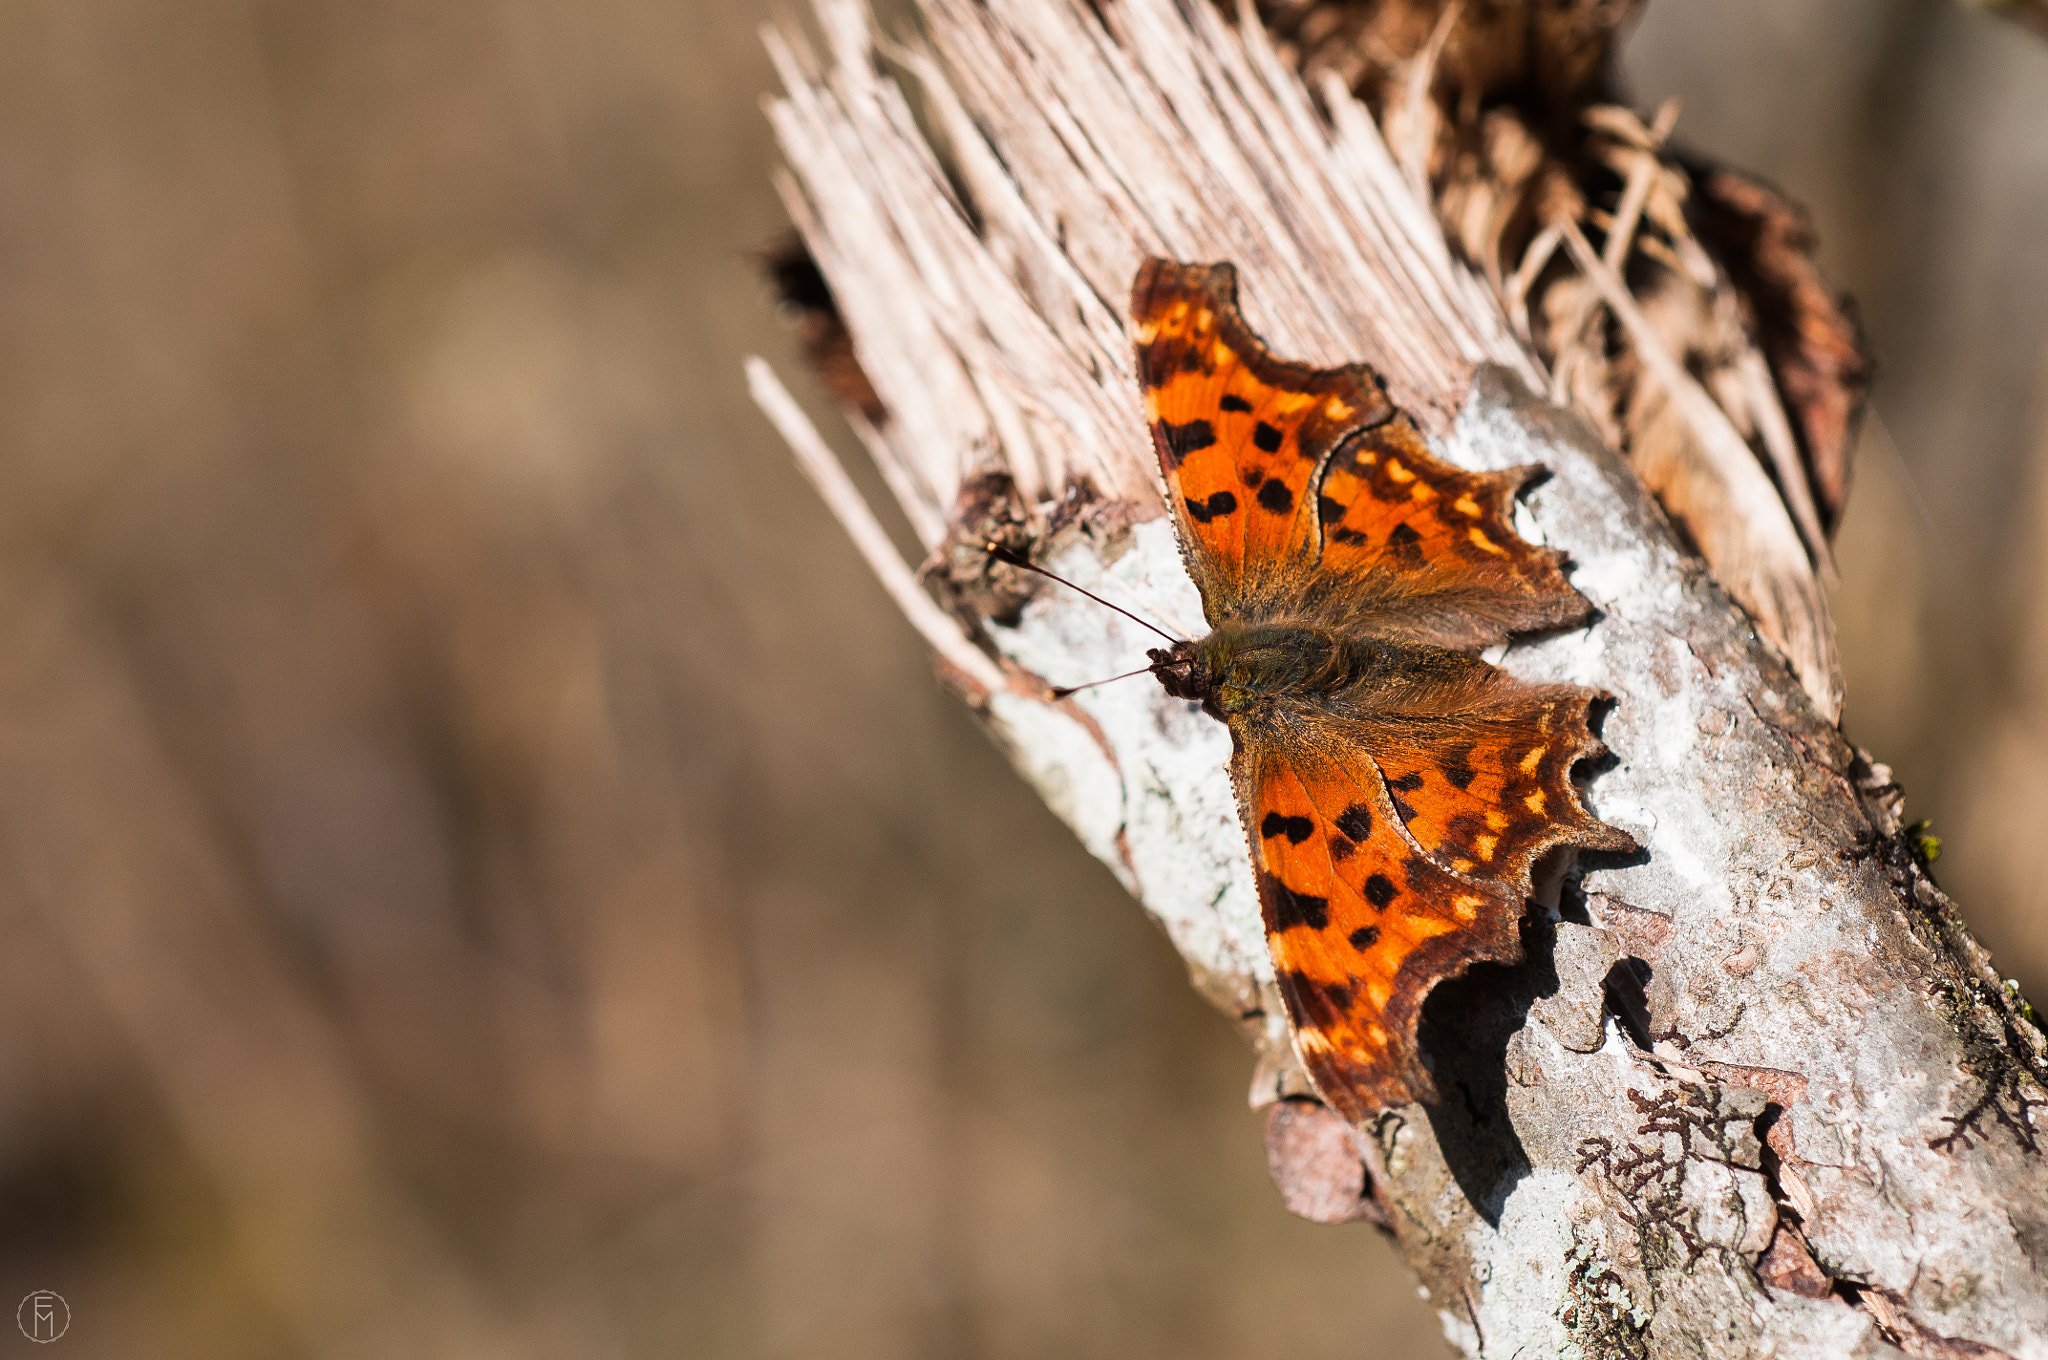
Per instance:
{"type": "Point", "coordinates": [1243, 667]}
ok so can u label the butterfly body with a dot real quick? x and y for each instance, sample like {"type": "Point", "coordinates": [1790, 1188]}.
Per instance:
{"type": "Point", "coordinates": [1396, 791]}
{"type": "Point", "coordinates": [1297, 673]}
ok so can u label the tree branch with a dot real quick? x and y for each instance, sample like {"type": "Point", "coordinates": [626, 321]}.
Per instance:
{"type": "Point", "coordinates": [1756, 1090]}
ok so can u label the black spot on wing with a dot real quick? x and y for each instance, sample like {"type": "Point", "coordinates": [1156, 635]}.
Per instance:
{"type": "Point", "coordinates": [1296, 829]}
{"type": "Point", "coordinates": [1330, 510]}
{"type": "Point", "coordinates": [1233, 402]}
{"type": "Point", "coordinates": [1348, 536]}
{"type": "Point", "coordinates": [1379, 890]}
{"type": "Point", "coordinates": [1457, 766]}
{"type": "Point", "coordinates": [1365, 937]}
{"type": "Point", "coordinates": [1275, 496]}
{"type": "Point", "coordinates": [1267, 437]}
{"type": "Point", "coordinates": [1355, 821]}
{"type": "Point", "coordinates": [1291, 908]}
{"type": "Point", "coordinates": [1342, 849]}
{"type": "Point", "coordinates": [1178, 441]}
{"type": "Point", "coordinates": [1222, 503]}
{"type": "Point", "coordinates": [1403, 536]}
{"type": "Point", "coordinates": [1339, 994]}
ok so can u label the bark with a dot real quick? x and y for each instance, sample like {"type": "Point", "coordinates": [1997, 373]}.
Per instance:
{"type": "Point", "coordinates": [1756, 1090]}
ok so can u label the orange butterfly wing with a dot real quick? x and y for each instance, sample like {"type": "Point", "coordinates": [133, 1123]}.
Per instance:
{"type": "Point", "coordinates": [1393, 852]}
{"type": "Point", "coordinates": [1240, 434]}
{"type": "Point", "coordinates": [1360, 925]}
{"type": "Point", "coordinates": [1434, 542]}
{"type": "Point", "coordinates": [1487, 791]}
{"type": "Point", "coordinates": [1246, 444]}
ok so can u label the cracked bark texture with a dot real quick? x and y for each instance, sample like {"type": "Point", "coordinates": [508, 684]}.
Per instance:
{"type": "Point", "coordinates": [1755, 1090]}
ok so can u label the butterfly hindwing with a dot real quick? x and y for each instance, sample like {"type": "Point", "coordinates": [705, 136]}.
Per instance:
{"type": "Point", "coordinates": [1428, 547]}
{"type": "Point", "coordinates": [1486, 791]}
{"type": "Point", "coordinates": [1240, 434]}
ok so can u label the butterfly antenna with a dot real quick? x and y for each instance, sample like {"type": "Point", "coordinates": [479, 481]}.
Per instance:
{"type": "Point", "coordinates": [1002, 554]}
{"type": "Point", "coordinates": [1062, 691]}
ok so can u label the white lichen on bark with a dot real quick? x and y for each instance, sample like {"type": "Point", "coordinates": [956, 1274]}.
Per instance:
{"type": "Point", "coordinates": [1807, 1047]}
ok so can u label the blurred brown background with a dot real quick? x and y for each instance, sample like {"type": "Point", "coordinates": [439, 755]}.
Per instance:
{"type": "Point", "coordinates": [483, 870]}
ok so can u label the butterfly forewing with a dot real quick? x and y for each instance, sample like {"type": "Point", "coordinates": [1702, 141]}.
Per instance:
{"type": "Point", "coordinates": [1361, 926]}
{"type": "Point", "coordinates": [1240, 435]}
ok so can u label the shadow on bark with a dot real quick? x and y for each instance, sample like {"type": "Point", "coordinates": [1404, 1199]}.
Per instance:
{"type": "Point", "coordinates": [1466, 1025]}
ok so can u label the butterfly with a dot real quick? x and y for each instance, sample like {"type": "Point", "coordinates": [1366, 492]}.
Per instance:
{"type": "Point", "coordinates": [1395, 789]}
